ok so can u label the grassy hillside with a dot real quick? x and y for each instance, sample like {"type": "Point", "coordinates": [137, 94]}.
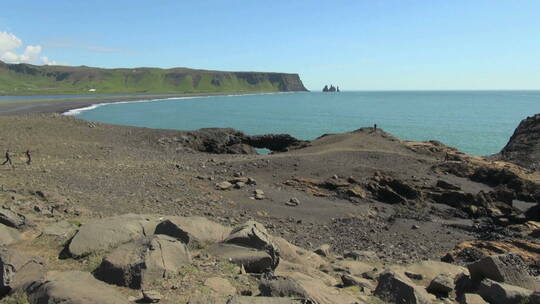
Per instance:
{"type": "Point", "coordinates": [19, 79]}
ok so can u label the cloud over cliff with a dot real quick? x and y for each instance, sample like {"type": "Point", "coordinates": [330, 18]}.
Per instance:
{"type": "Point", "coordinates": [9, 45]}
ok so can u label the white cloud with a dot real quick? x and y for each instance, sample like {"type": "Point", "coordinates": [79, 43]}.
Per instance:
{"type": "Point", "coordinates": [9, 43]}
{"type": "Point", "coordinates": [46, 61]}
{"type": "Point", "coordinates": [9, 57]}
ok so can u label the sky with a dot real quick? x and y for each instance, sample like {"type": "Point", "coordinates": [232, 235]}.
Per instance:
{"type": "Point", "coordinates": [358, 44]}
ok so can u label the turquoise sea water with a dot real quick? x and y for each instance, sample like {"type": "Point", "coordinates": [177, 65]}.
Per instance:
{"type": "Point", "coordinates": [477, 122]}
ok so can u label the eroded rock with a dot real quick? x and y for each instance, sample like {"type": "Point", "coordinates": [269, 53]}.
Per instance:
{"type": "Point", "coordinates": [500, 293]}
{"type": "Point", "coordinates": [504, 268]}
{"type": "Point", "coordinates": [107, 233]}
{"type": "Point", "coordinates": [18, 269]}
{"type": "Point", "coordinates": [146, 260]}
{"type": "Point", "coordinates": [74, 287]}
{"type": "Point", "coordinates": [195, 231]}
{"type": "Point", "coordinates": [397, 289]}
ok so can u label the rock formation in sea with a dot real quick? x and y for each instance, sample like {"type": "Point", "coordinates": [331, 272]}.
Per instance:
{"type": "Point", "coordinates": [330, 89]}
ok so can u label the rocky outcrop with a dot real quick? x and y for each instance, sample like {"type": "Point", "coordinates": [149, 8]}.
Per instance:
{"type": "Point", "coordinates": [8, 235]}
{"type": "Point", "coordinates": [500, 293]}
{"type": "Point", "coordinates": [275, 142]}
{"type": "Point", "coordinates": [229, 141]}
{"type": "Point", "coordinates": [396, 289]}
{"type": "Point", "coordinates": [108, 233]}
{"type": "Point", "coordinates": [332, 88]}
{"type": "Point", "coordinates": [74, 287]}
{"type": "Point", "coordinates": [523, 148]}
{"type": "Point", "coordinates": [194, 231]}
{"type": "Point", "coordinates": [11, 218]}
{"type": "Point", "coordinates": [507, 268]}
{"type": "Point", "coordinates": [143, 261]}
{"type": "Point", "coordinates": [18, 269]}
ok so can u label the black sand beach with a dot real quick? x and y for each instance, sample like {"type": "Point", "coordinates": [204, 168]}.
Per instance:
{"type": "Point", "coordinates": [63, 105]}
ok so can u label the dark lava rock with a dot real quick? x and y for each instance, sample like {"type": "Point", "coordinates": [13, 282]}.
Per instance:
{"type": "Point", "coordinates": [523, 148]}
{"type": "Point", "coordinates": [505, 268]}
{"type": "Point", "coordinates": [274, 142]}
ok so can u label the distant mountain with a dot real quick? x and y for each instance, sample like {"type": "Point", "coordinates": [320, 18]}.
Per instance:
{"type": "Point", "coordinates": [18, 79]}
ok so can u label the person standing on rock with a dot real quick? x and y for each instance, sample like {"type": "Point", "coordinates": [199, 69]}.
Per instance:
{"type": "Point", "coordinates": [28, 157]}
{"type": "Point", "coordinates": [8, 158]}
{"type": "Point", "coordinates": [374, 127]}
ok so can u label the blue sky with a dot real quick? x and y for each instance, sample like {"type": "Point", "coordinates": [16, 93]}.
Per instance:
{"type": "Point", "coordinates": [358, 45]}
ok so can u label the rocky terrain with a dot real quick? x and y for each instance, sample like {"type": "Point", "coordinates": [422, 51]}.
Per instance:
{"type": "Point", "coordinates": [113, 214]}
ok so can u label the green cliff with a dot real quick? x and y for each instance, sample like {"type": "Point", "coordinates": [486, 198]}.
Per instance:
{"type": "Point", "coordinates": [19, 79]}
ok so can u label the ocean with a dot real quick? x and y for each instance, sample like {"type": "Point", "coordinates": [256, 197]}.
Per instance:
{"type": "Point", "coordinates": [475, 122]}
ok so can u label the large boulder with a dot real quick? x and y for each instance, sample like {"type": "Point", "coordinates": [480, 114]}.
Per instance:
{"type": "Point", "coordinates": [472, 298]}
{"type": "Point", "coordinates": [298, 255]}
{"type": "Point", "coordinates": [398, 289]}
{"type": "Point", "coordinates": [429, 270]}
{"type": "Point", "coordinates": [500, 293]}
{"type": "Point", "coordinates": [254, 235]}
{"type": "Point", "coordinates": [11, 218]}
{"type": "Point", "coordinates": [142, 261]}
{"type": "Point", "coordinates": [18, 269]}
{"type": "Point", "coordinates": [73, 287]}
{"type": "Point", "coordinates": [220, 286]}
{"type": "Point", "coordinates": [286, 267]}
{"type": "Point", "coordinates": [194, 231]}
{"type": "Point", "coordinates": [107, 233]}
{"type": "Point", "coordinates": [274, 142]}
{"type": "Point", "coordinates": [253, 260]}
{"type": "Point", "coordinates": [8, 235]}
{"type": "Point", "coordinates": [262, 300]}
{"type": "Point", "coordinates": [441, 286]}
{"type": "Point", "coordinates": [60, 231]}
{"type": "Point", "coordinates": [303, 287]}
{"type": "Point", "coordinates": [504, 268]}
{"type": "Point", "coordinates": [523, 148]}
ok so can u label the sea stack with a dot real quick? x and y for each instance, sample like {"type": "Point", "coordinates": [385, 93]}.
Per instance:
{"type": "Point", "coordinates": [330, 89]}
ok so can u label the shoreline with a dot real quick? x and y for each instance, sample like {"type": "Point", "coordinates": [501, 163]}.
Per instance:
{"type": "Point", "coordinates": [63, 106]}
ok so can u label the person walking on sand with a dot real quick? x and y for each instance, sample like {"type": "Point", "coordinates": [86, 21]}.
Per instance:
{"type": "Point", "coordinates": [28, 157]}
{"type": "Point", "coordinates": [8, 158]}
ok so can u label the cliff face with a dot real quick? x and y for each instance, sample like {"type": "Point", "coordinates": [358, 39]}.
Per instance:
{"type": "Point", "coordinates": [523, 148]}
{"type": "Point", "coordinates": [31, 79]}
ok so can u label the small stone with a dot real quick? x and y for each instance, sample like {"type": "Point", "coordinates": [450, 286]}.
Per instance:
{"type": "Point", "coordinates": [224, 185]}
{"type": "Point", "coordinates": [239, 185]}
{"type": "Point", "coordinates": [415, 227]}
{"type": "Point", "coordinates": [293, 202]}
{"type": "Point", "coordinates": [323, 250]}
{"type": "Point", "coordinates": [251, 181]}
{"type": "Point", "coordinates": [414, 276]}
{"type": "Point", "coordinates": [151, 296]}
{"type": "Point", "coordinates": [259, 194]}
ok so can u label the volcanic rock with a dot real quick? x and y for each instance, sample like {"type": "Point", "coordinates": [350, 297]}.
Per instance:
{"type": "Point", "coordinates": [140, 262]}
{"type": "Point", "coordinates": [523, 148]}
{"type": "Point", "coordinates": [73, 287]}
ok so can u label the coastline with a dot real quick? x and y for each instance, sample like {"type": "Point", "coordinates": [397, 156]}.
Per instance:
{"type": "Point", "coordinates": [63, 106]}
